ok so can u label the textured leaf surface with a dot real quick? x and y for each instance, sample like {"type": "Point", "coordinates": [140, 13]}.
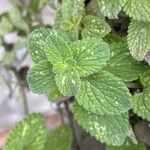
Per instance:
{"type": "Point", "coordinates": [138, 39]}
{"type": "Point", "coordinates": [68, 83]}
{"type": "Point", "coordinates": [14, 145]}
{"type": "Point", "coordinates": [57, 49]}
{"type": "Point", "coordinates": [121, 63]}
{"type": "Point", "coordinates": [111, 8]}
{"type": "Point", "coordinates": [31, 131]}
{"type": "Point", "coordinates": [128, 145]}
{"type": "Point", "coordinates": [138, 9]}
{"type": "Point", "coordinates": [145, 79]}
{"type": "Point", "coordinates": [41, 77]}
{"type": "Point", "coordinates": [59, 139]}
{"type": "Point", "coordinates": [109, 129]}
{"type": "Point", "coordinates": [36, 43]}
{"type": "Point", "coordinates": [94, 27]}
{"type": "Point", "coordinates": [141, 101]}
{"type": "Point", "coordinates": [71, 15]}
{"type": "Point", "coordinates": [141, 104]}
{"type": "Point", "coordinates": [104, 94]}
{"type": "Point", "coordinates": [91, 54]}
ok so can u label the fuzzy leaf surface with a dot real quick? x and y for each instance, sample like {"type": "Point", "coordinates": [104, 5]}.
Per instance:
{"type": "Point", "coordinates": [68, 83]}
{"type": "Point", "coordinates": [41, 77]}
{"type": "Point", "coordinates": [111, 8]}
{"type": "Point", "coordinates": [90, 54]}
{"type": "Point", "coordinates": [103, 127]}
{"type": "Point", "coordinates": [122, 64]}
{"type": "Point", "coordinates": [138, 9]}
{"type": "Point", "coordinates": [31, 131]}
{"type": "Point", "coordinates": [104, 94]}
{"type": "Point", "coordinates": [138, 39]}
{"type": "Point", "coordinates": [94, 27]}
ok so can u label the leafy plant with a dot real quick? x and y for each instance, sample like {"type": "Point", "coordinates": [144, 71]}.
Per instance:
{"type": "Point", "coordinates": [106, 73]}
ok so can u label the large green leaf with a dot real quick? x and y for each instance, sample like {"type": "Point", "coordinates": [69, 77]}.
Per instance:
{"type": "Point", "coordinates": [121, 63]}
{"type": "Point", "coordinates": [91, 54]}
{"type": "Point", "coordinates": [111, 8]}
{"type": "Point", "coordinates": [57, 49]}
{"type": "Point", "coordinates": [94, 27]}
{"type": "Point", "coordinates": [68, 83]}
{"type": "Point", "coordinates": [128, 145]}
{"type": "Point", "coordinates": [104, 94]}
{"type": "Point", "coordinates": [138, 39]}
{"type": "Point", "coordinates": [15, 144]}
{"type": "Point", "coordinates": [138, 9]}
{"type": "Point", "coordinates": [31, 131]}
{"type": "Point", "coordinates": [41, 77]}
{"type": "Point", "coordinates": [59, 139]}
{"type": "Point", "coordinates": [141, 104]}
{"type": "Point", "coordinates": [109, 129]}
{"type": "Point", "coordinates": [145, 79]}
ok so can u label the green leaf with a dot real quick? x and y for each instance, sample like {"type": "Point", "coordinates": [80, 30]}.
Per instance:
{"type": "Point", "coordinates": [91, 54]}
{"type": "Point", "coordinates": [31, 131]}
{"type": "Point", "coordinates": [104, 94]}
{"type": "Point", "coordinates": [121, 63]}
{"type": "Point", "coordinates": [72, 12]}
{"type": "Point", "coordinates": [59, 139]}
{"type": "Point", "coordinates": [138, 9]}
{"type": "Point", "coordinates": [94, 27]}
{"type": "Point", "coordinates": [5, 26]}
{"type": "Point", "coordinates": [17, 19]}
{"type": "Point", "coordinates": [111, 8]}
{"type": "Point", "coordinates": [36, 43]}
{"type": "Point", "coordinates": [68, 83]}
{"type": "Point", "coordinates": [145, 79]}
{"type": "Point", "coordinates": [57, 49]}
{"type": "Point", "coordinates": [109, 129]}
{"type": "Point", "coordinates": [14, 145]}
{"type": "Point", "coordinates": [41, 77]}
{"type": "Point", "coordinates": [141, 103]}
{"type": "Point", "coordinates": [138, 39]}
{"type": "Point", "coordinates": [128, 145]}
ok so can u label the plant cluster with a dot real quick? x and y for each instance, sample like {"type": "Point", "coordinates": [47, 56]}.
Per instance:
{"type": "Point", "coordinates": [105, 71]}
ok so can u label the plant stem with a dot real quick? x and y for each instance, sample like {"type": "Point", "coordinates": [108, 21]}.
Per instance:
{"type": "Point", "coordinates": [69, 113]}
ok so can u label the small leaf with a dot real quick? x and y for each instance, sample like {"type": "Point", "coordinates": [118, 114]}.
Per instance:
{"type": "Point", "coordinates": [94, 27]}
{"type": "Point", "coordinates": [59, 139]}
{"type": "Point", "coordinates": [41, 77]}
{"type": "Point", "coordinates": [128, 145]}
{"type": "Point", "coordinates": [141, 103]}
{"type": "Point", "coordinates": [68, 83]}
{"type": "Point", "coordinates": [17, 19]}
{"type": "Point", "coordinates": [57, 49]}
{"type": "Point", "coordinates": [90, 54]}
{"type": "Point", "coordinates": [111, 8]}
{"type": "Point", "coordinates": [109, 129]}
{"type": "Point", "coordinates": [138, 9]}
{"type": "Point", "coordinates": [145, 79]}
{"type": "Point", "coordinates": [104, 94]}
{"type": "Point", "coordinates": [36, 43]}
{"type": "Point", "coordinates": [138, 39]}
{"type": "Point", "coordinates": [121, 63]}
{"type": "Point", "coordinates": [14, 145]}
{"type": "Point", "coordinates": [5, 26]}
{"type": "Point", "coordinates": [31, 131]}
